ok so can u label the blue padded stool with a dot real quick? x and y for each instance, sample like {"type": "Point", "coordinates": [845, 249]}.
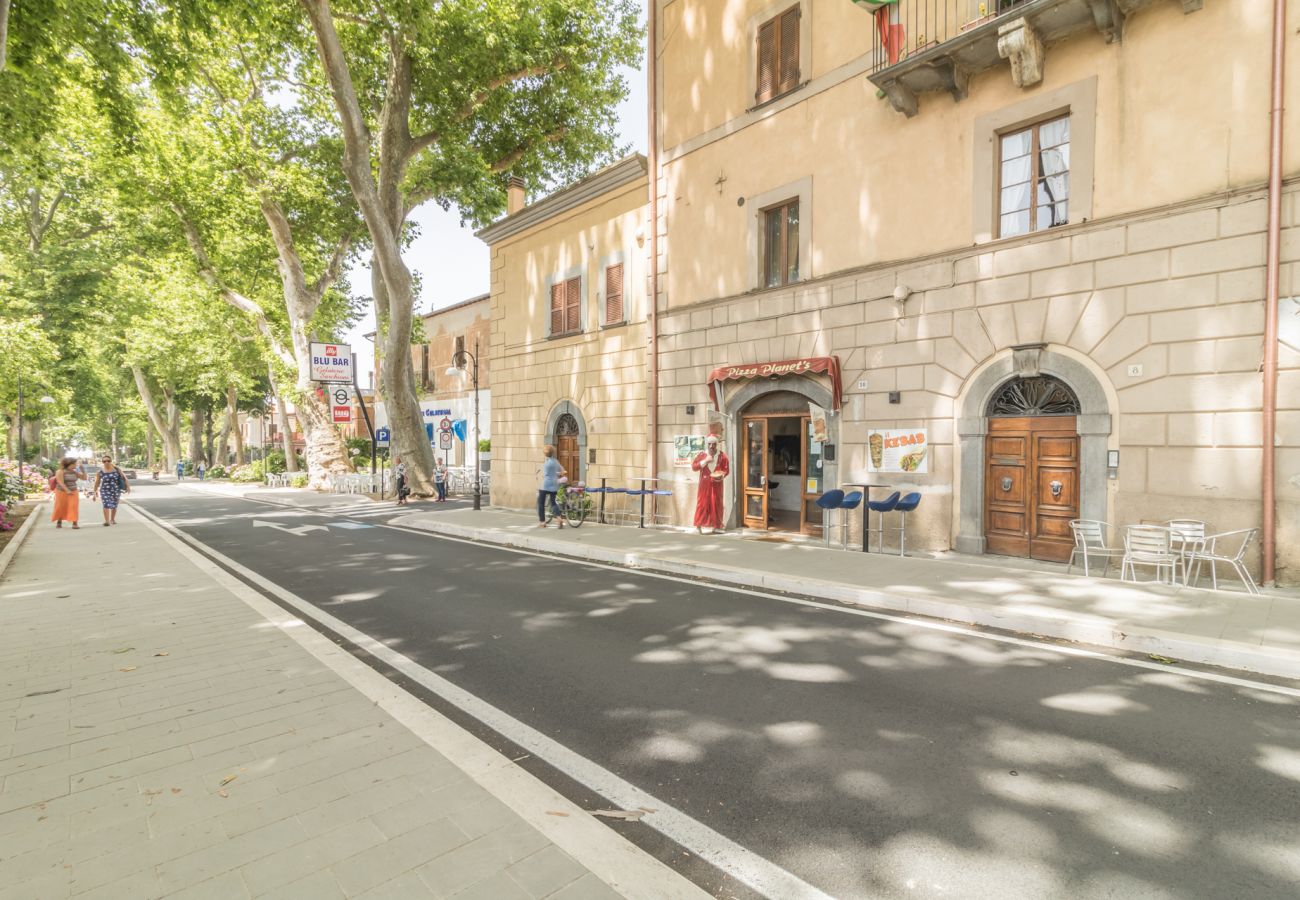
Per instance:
{"type": "Point", "coordinates": [826, 502]}
{"type": "Point", "coordinates": [905, 506]}
{"type": "Point", "coordinates": [850, 502]}
{"type": "Point", "coordinates": [882, 507]}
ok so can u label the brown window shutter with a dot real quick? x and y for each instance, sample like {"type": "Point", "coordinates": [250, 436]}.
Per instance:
{"type": "Point", "coordinates": [789, 51]}
{"type": "Point", "coordinates": [614, 294]}
{"type": "Point", "coordinates": [573, 305]}
{"type": "Point", "coordinates": [766, 84]}
{"type": "Point", "coordinates": [557, 308]}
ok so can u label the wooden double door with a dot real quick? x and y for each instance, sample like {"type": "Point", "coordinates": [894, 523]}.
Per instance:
{"type": "Point", "coordinates": [803, 459]}
{"type": "Point", "coordinates": [1031, 486]}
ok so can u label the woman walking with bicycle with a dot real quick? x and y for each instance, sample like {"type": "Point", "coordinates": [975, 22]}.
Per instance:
{"type": "Point", "coordinates": [551, 472]}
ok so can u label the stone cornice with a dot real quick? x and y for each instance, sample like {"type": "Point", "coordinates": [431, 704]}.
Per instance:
{"type": "Point", "coordinates": [622, 173]}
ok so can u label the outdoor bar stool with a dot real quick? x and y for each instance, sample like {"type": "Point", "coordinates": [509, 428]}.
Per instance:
{"type": "Point", "coordinates": [882, 507]}
{"type": "Point", "coordinates": [614, 511]}
{"type": "Point", "coordinates": [826, 502]}
{"type": "Point", "coordinates": [850, 502]}
{"type": "Point", "coordinates": [661, 518]}
{"type": "Point", "coordinates": [903, 507]}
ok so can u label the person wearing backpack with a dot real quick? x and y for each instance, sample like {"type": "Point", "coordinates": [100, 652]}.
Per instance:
{"type": "Point", "coordinates": [66, 498]}
{"type": "Point", "coordinates": [110, 485]}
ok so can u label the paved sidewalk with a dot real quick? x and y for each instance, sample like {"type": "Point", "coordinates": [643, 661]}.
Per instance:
{"type": "Point", "coordinates": [1257, 633]}
{"type": "Point", "coordinates": [160, 737]}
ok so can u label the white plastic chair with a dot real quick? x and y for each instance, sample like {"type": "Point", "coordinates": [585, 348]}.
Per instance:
{"type": "Point", "coordinates": [1090, 543]}
{"type": "Point", "coordinates": [1216, 548]}
{"type": "Point", "coordinates": [1185, 535]}
{"type": "Point", "coordinates": [1149, 545]}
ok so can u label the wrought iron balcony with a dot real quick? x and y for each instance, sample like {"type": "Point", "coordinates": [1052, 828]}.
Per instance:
{"type": "Point", "coordinates": [936, 45]}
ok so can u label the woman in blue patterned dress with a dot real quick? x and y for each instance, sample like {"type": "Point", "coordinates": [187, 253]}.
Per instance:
{"type": "Point", "coordinates": [110, 485]}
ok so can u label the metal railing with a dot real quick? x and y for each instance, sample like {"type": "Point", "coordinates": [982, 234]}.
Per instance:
{"type": "Point", "coordinates": [908, 27]}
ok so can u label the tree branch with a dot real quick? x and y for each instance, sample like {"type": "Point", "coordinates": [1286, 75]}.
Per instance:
{"type": "Point", "coordinates": [506, 162]}
{"type": "Point", "coordinates": [4, 31]}
{"type": "Point", "coordinates": [208, 272]}
{"type": "Point", "coordinates": [333, 270]}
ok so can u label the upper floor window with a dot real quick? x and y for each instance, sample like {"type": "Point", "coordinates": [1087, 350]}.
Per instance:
{"type": "Point", "coordinates": [614, 314]}
{"type": "Point", "coordinates": [566, 307]}
{"type": "Point", "coordinates": [1034, 177]}
{"type": "Point", "coordinates": [459, 354]}
{"type": "Point", "coordinates": [426, 383]}
{"type": "Point", "coordinates": [780, 251]}
{"type": "Point", "coordinates": [778, 55]}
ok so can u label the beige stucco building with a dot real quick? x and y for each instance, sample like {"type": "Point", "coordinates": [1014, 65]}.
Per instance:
{"type": "Point", "coordinates": [569, 333]}
{"type": "Point", "coordinates": [1030, 241]}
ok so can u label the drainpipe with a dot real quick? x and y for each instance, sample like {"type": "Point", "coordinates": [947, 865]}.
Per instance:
{"type": "Point", "coordinates": [652, 151]}
{"type": "Point", "coordinates": [1268, 541]}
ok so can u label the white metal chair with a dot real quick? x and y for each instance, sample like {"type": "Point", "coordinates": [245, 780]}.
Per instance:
{"type": "Point", "coordinates": [1185, 535]}
{"type": "Point", "coordinates": [1149, 545]}
{"type": "Point", "coordinates": [1090, 543]}
{"type": "Point", "coordinates": [1217, 548]}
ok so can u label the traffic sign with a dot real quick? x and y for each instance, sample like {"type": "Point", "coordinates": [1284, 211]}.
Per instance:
{"type": "Point", "coordinates": [342, 415]}
{"type": "Point", "coordinates": [382, 436]}
{"type": "Point", "coordinates": [341, 394]}
{"type": "Point", "coordinates": [444, 440]}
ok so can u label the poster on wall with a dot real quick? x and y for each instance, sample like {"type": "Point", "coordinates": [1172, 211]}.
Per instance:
{"type": "Point", "coordinates": [905, 450]}
{"type": "Point", "coordinates": [817, 424]}
{"type": "Point", "coordinates": [685, 448]}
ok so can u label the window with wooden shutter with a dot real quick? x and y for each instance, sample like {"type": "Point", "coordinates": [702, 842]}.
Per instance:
{"type": "Point", "coordinates": [778, 56]}
{"type": "Point", "coordinates": [614, 294]}
{"type": "Point", "coordinates": [566, 307]}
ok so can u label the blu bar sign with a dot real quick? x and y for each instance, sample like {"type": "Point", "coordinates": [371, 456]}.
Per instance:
{"type": "Point", "coordinates": [331, 363]}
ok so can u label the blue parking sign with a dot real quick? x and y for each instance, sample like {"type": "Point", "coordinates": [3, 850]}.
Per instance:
{"type": "Point", "coordinates": [381, 436]}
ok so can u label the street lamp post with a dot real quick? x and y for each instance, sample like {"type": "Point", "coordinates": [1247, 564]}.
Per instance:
{"type": "Point", "coordinates": [456, 370]}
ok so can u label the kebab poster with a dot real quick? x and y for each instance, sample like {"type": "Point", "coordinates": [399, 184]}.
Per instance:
{"type": "Point", "coordinates": [904, 450]}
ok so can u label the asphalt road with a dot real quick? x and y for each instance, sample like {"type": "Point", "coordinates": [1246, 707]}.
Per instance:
{"type": "Point", "coordinates": [868, 758]}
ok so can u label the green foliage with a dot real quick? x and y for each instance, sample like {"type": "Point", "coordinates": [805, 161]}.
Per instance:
{"type": "Point", "coordinates": [485, 445]}
{"type": "Point", "coordinates": [299, 480]}
{"type": "Point", "coordinates": [218, 471]}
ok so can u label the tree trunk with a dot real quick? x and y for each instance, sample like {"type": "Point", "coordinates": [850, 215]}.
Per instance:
{"type": "Point", "coordinates": [228, 424]}
{"type": "Point", "coordinates": [408, 438]}
{"type": "Point", "coordinates": [240, 457]}
{"type": "Point", "coordinates": [209, 441]}
{"type": "Point", "coordinates": [166, 428]}
{"type": "Point", "coordinates": [282, 418]}
{"type": "Point", "coordinates": [196, 436]}
{"type": "Point", "coordinates": [149, 458]}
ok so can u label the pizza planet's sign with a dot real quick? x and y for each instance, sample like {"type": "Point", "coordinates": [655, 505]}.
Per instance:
{"type": "Point", "coordinates": [331, 363]}
{"type": "Point", "coordinates": [811, 365]}
{"type": "Point", "coordinates": [767, 370]}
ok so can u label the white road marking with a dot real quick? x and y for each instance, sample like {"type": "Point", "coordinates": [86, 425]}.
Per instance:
{"type": "Point", "coordinates": [299, 530]}
{"type": "Point", "coordinates": [918, 622]}
{"type": "Point", "coordinates": [744, 865]}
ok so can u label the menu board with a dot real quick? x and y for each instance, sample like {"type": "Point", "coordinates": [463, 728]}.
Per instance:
{"type": "Point", "coordinates": [899, 450]}
{"type": "Point", "coordinates": [685, 448]}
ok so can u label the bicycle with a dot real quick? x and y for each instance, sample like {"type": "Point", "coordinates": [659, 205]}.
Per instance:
{"type": "Point", "coordinates": [574, 504]}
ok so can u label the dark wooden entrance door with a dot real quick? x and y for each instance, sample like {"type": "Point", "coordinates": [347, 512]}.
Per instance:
{"type": "Point", "coordinates": [566, 447]}
{"type": "Point", "coordinates": [1031, 486]}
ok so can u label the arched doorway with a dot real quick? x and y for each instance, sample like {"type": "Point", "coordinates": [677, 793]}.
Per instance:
{"type": "Point", "coordinates": [566, 446]}
{"type": "Point", "coordinates": [1031, 478]}
{"type": "Point", "coordinates": [566, 428]}
{"type": "Point", "coordinates": [1002, 383]}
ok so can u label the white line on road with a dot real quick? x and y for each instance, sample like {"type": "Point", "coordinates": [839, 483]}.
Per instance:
{"type": "Point", "coordinates": [744, 865]}
{"type": "Point", "coordinates": [915, 621]}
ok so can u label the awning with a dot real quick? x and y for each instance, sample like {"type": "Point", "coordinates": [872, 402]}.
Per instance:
{"type": "Point", "coordinates": [811, 365]}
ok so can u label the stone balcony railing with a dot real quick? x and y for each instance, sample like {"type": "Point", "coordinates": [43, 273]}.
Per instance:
{"type": "Point", "coordinates": [937, 45]}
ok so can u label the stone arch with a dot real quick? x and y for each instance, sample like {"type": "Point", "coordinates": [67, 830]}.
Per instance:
{"type": "Point", "coordinates": [558, 411]}
{"type": "Point", "coordinates": [1093, 426]}
{"type": "Point", "coordinates": [735, 404]}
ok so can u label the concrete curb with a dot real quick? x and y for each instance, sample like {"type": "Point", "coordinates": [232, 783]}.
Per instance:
{"type": "Point", "coordinates": [1084, 630]}
{"type": "Point", "coordinates": [11, 549]}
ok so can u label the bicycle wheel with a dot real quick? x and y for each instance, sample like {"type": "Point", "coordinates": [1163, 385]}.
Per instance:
{"type": "Point", "coordinates": [575, 509]}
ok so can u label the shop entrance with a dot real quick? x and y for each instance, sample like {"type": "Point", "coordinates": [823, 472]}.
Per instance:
{"type": "Point", "coordinates": [781, 473]}
{"type": "Point", "coordinates": [1031, 478]}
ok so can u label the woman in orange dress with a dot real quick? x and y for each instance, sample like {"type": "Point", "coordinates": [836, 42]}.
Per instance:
{"type": "Point", "coordinates": [65, 494]}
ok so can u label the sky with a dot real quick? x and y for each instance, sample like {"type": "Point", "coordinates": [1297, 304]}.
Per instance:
{"type": "Point", "coordinates": [460, 260]}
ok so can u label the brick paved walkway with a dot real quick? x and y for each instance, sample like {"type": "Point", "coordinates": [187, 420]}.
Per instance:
{"type": "Point", "coordinates": [160, 738]}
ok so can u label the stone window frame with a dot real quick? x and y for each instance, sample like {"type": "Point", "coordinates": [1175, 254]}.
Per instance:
{"type": "Point", "coordinates": [613, 258]}
{"type": "Point", "coordinates": [1080, 101]}
{"type": "Point", "coordinates": [758, 20]}
{"type": "Point", "coordinates": [579, 272]}
{"type": "Point", "coordinates": [757, 207]}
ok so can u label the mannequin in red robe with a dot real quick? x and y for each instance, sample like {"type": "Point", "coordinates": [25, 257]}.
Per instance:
{"type": "Point", "coordinates": [713, 468]}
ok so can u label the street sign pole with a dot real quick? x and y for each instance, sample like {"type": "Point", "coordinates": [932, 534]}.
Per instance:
{"type": "Point", "coordinates": [370, 426]}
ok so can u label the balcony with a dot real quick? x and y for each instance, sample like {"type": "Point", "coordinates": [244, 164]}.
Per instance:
{"type": "Point", "coordinates": [937, 45]}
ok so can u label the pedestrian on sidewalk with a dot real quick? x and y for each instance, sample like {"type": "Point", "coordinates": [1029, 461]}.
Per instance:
{"type": "Point", "coordinates": [110, 485]}
{"type": "Point", "coordinates": [440, 479]}
{"type": "Point", "coordinates": [200, 468]}
{"type": "Point", "coordinates": [551, 472]}
{"type": "Point", "coordinates": [399, 472]}
{"type": "Point", "coordinates": [83, 478]}
{"type": "Point", "coordinates": [713, 467]}
{"type": "Point", "coordinates": [66, 498]}
{"type": "Point", "coordinates": [180, 470]}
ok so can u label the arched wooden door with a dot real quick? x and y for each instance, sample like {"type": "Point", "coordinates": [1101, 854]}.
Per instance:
{"type": "Point", "coordinates": [566, 446]}
{"type": "Point", "coordinates": [1031, 473]}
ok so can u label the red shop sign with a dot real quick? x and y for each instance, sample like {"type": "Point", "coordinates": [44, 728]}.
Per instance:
{"type": "Point", "coordinates": [812, 365]}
